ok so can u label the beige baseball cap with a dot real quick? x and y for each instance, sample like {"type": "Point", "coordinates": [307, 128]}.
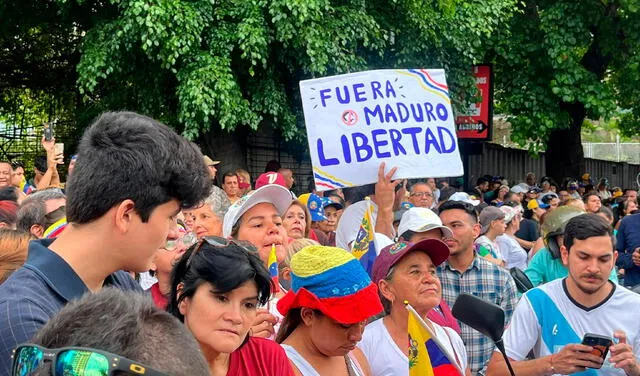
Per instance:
{"type": "Point", "coordinates": [209, 162]}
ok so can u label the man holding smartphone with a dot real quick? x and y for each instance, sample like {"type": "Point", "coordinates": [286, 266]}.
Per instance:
{"type": "Point", "coordinates": [570, 323]}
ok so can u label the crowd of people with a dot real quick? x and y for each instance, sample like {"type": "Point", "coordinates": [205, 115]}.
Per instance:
{"type": "Point", "coordinates": [141, 264]}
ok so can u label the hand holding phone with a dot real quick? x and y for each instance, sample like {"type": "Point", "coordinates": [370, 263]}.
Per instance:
{"type": "Point", "coordinates": [599, 343]}
{"type": "Point", "coordinates": [48, 131]}
{"type": "Point", "coordinates": [59, 150]}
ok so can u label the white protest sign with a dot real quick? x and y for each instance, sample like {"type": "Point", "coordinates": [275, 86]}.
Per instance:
{"type": "Point", "coordinates": [401, 117]}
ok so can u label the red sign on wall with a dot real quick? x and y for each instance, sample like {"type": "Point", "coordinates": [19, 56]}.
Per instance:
{"type": "Point", "coordinates": [477, 123]}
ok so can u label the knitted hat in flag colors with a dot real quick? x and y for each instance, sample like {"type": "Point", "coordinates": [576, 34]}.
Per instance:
{"type": "Point", "coordinates": [331, 280]}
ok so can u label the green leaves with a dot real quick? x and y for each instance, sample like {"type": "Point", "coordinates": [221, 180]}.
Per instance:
{"type": "Point", "coordinates": [562, 54]}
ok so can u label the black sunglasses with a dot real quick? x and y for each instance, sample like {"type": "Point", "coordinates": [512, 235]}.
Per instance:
{"type": "Point", "coordinates": [75, 361]}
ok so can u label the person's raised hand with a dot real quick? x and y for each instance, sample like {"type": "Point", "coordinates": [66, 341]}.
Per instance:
{"type": "Point", "coordinates": [263, 324]}
{"type": "Point", "coordinates": [385, 189]}
{"type": "Point", "coordinates": [622, 355]}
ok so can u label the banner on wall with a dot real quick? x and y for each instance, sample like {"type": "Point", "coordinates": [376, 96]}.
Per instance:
{"type": "Point", "coordinates": [401, 117]}
{"type": "Point", "coordinates": [477, 122]}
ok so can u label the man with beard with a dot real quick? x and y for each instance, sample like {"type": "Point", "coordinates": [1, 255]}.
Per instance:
{"type": "Point", "coordinates": [467, 272]}
{"type": "Point", "coordinates": [551, 320]}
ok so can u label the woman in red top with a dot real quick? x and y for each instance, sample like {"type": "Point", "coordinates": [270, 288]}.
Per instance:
{"type": "Point", "coordinates": [163, 261]}
{"type": "Point", "coordinates": [216, 288]}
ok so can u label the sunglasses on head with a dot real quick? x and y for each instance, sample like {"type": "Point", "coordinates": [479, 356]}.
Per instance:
{"type": "Point", "coordinates": [220, 242]}
{"type": "Point", "coordinates": [75, 361]}
{"type": "Point", "coordinates": [187, 239]}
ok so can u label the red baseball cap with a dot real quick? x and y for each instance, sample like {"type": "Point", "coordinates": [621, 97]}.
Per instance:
{"type": "Point", "coordinates": [270, 178]}
{"type": "Point", "coordinates": [390, 255]}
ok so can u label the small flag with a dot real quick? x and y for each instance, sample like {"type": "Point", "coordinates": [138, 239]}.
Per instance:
{"type": "Point", "coordinates": [364, 247]}
{"type": "Point", "coordinates": [24, 187]}
{"type": "Point", "coordinates": [273, 268]}
{"type": "Point", "coordinates": [55, 229]}
{"type": "Point", "coordinates": [426, 357]}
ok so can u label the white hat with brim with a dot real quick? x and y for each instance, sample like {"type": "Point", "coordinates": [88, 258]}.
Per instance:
{"type": "Point", "coordinates": [464, 197]}
{"type": "Point", "coordinates": [278, 196]}
{"type": "Point", "coordinates": [422, 220]}
{"type": "Point", "coordinates": [350, 221]}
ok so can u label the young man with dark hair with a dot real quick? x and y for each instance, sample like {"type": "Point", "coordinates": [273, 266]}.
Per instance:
{"type": "Point", "coordinates": [552, 320]}
{"type": "Point", "coordinates": [467, 272]}
{"type": "Point", "coordinates": [132, 177]}
{"type": "Point", "coordinates": [128, 325]}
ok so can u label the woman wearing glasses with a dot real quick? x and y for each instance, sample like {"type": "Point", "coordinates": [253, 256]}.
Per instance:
{"type": "Point", "coordinates": [163, 262]}
{"type": "Point", "coordinates": [215, 290]}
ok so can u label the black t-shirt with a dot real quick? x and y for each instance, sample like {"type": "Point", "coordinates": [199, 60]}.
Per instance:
{"type": "Point", "coordinates": [528, 230]}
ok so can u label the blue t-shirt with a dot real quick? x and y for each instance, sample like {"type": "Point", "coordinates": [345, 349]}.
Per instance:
{"type": "Point", "coordinates": [36, 292]}
{"type": "Point", "coordinates": [628, 239]}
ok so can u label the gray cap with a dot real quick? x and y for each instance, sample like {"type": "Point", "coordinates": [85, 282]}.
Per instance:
{"type": "Point", "coordinates": [487, 215]}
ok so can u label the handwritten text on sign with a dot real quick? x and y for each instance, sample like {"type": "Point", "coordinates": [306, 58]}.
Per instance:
{"type": "Point", "coordinates": [402, 117]}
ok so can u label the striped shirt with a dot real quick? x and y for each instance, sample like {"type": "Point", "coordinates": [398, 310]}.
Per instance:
{"type": "Point", "coordinates": [36, 292]}
{"type": "Point", "coordinates": [488, 282]}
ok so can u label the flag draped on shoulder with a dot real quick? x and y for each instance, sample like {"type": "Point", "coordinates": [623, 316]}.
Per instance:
{"type": "Point", "coordinates": [426, 357]}
{"type": "Point", "coordinates": [364, 247]}
{"type": "Point", "coordinates": [273, 268]}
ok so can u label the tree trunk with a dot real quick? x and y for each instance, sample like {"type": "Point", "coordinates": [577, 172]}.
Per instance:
{"type": "Point", "coordinates": [564, 156]}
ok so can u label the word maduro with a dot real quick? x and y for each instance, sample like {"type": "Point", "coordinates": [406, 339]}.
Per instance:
{"type": "Point", "coordinates": [385, 143]}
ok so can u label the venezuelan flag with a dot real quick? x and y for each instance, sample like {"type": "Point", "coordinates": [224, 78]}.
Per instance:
{"type": "Point", "coordinates": [55, 229]}
{"type": "Point", "coordinates": [426, 358]}
{"type": "Point", "coordinates": [273, 268]}
{"type": "Point", "coordinates": [364, 247]}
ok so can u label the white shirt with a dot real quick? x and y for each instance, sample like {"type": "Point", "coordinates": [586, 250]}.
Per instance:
{"type": "Point", "coordinates": [546, 319]}
{"type": "Point", "coordinates": [386, 359]}
{"type": "Point", "coordinates": [512, 252]}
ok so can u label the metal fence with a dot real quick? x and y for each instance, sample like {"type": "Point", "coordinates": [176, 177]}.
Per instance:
{"type": "Point", "coordinates": [613, 151]}
{"type": "Point", "coordinates": [514, 164]}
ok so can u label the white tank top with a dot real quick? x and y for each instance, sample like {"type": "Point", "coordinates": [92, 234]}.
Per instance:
{"type": "Point", "coordinates": [307, 369]}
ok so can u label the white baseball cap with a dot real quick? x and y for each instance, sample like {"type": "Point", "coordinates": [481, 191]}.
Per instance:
{"type": "Point", "coordinates": [277, 195]}
{"type": "Point", "coordinates": [422, 220]}
{"type": "Point", "coordinates": [464, 197]}
{"type": "Point", "coordinates": [349, 223]}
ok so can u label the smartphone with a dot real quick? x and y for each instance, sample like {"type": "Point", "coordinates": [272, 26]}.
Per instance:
{"type": "Point", "coordinates": [48, 131]}
{"type": "Point", "coordinates": [599, 343]}
{"type": "Point", "coordinates": [59, 147]}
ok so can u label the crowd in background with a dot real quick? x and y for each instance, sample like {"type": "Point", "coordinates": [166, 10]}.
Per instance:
{"type": "Point", "coordinates": [267, 282]}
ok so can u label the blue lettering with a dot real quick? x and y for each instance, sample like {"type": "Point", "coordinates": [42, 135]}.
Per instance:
{"type": "Point", "coordinates": [452, 139]}
{"type": "Point", "coordinates": [363, 145]}
{"type": "Point", "coordinates": [430, 139]}
{"type": "Point", "coordinates": [323, 160]}
{"type": "Point", "coordinates": [378, 143]}
{"type": "Point", "coordinates": [324, 96]}
{"type": "Point", "coordinates": [403, 112]}
{"type": "Point", "coordinates": [418, 117]}
{"type": "Point", "coordinates": [388, 114]}
{"type": "Point", "coordinates": [428, 107]}
{"type": "Point", "coordinates": [396, 136]}
{"type": "Point", "coordinates": [346, 150]}
{"type": "Point", "coordinates": [346, 98]}
{"type": "Point", "coordinates": [442, 112]}
{"type": "Point", "coordinates": [375, 87]}
{"type": "Point", "coordinates": [413, 131]}
{"type": "Point", "coordinates": [359, 94]}
{"type": "Point", "coordinates": [377, 111]}
{"type": "Point", "coordinates": [389, 90]}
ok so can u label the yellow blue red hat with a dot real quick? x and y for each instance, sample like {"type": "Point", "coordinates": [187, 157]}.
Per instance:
{"type": "Point", "coordinates": [332, 281]}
